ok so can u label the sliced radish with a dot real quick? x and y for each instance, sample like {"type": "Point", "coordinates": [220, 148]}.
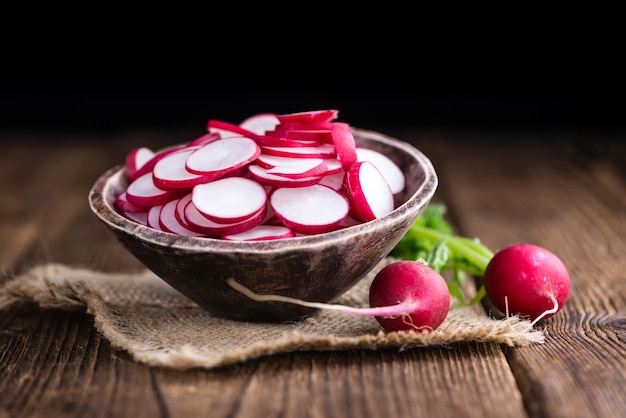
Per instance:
{"type": "Point", "coordinates": [333, 166]}
{"type": "Point", "coordinates": [345, 146]}
{"type": "Point", "coordinates": [320, 151]}
{"type": "Point", "coordinates": [311, 209]}
{"type": "Point", "coordinates": [304, 125]}
{"type": "Point", "coordinates": [135, 159]}
{"type": "Point", "coordinates": [311, 116]}
{"type": "Point", "coordinates": [260, 123]}
{"type": "Point", "coordinates": [262, 233]}
{"type": "Point", "coordinates": [168, 221]}
{"type": "Point", "coordinates": [368, 192]}
{"type": "Point", "coordinates": [277, 141]}
{"type": "Point", "coordinates": [227, 129]}
{"type": "Point", "coordinates": [229, 200]}
{"type": "Point", "coordinates": [170, 172]}
{"type": "Point", "coordinates": [139, 217]}
{"type": "Point", "coordinates": [205, 139]}
{"type": "Point", "coordinates": [143, 192]}
{"type": "Point", "coordinates": [319, 135]}
{"type": "Point", "coordinates": [122, 204]}
{"type": "Point", "coordinates": [222, 156]}
{"type": "Point", "coordinates": [149, 165]}
{"type": "Point", "coordinates": [201, 223]}
{"type": "Point", "coordinates": [291, 166]}
{"type": "Point", "coordinates": [261, 175]}
{"type": "Point", "coordinates": [180, 209]}
{"type": "Point", "coordinates": [334, 180]}
{"type": "Point", "coordinates": [153, 217]}
{"type": "Point", "coordinates": [389, 169]}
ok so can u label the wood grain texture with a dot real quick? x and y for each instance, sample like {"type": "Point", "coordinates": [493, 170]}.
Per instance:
{"type": "Point", "coordinates": [559, 190]}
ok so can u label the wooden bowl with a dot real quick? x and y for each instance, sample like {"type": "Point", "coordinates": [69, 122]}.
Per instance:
{"type": "Point", "coordinates": [314, 268]}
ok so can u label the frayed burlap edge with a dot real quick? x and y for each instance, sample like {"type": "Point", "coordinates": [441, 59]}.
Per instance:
{"type": "Point", "coordinates": [139, 313]}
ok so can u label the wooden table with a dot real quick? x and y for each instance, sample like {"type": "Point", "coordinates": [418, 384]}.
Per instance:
{"type": "Point", "coordinates": [563, 190]}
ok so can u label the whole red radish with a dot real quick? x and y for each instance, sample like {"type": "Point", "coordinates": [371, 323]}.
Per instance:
{"type": "Point", "coordinates": [415, 283]}
{"type": "Point", "coordinates": [528, 280]}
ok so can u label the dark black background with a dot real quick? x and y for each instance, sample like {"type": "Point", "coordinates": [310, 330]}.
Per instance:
{"type": "Point", "coordinates": [116, 107]}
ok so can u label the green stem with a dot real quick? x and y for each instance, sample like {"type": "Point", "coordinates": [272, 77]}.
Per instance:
{"type": "Point", "coordinates": [474, 252]}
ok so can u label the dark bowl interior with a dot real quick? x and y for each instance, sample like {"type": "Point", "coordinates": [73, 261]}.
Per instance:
{"type": "Point", "coordinates": [314, 268]}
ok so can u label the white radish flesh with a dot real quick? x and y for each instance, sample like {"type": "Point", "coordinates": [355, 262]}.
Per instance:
{"type": "Point", "coordinates": [260, 122]}
{"type": "Point", "coordinates": [368, 192]}
{"type": "Point", "coordinates": [170, 171]}
{"type": "Point", "coordinates": [229, 200]}
{"type": "Point", "coordinates": [168, 221]}
{"type": "Point", "coordinates": [311, 209]}
{"type": "Point", "coordinates": [222, 156]}
{"type": "Point", "coordinates": [389, 169]}
{"type": "Point", "coordinates": [198, 222]}
{"type": "Point", "coordinates": [143, 192]}
{"type": "Point", "coordinates": [262, 233]}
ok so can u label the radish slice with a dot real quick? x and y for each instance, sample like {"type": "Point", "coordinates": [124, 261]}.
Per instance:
{"type": "Point", "coordinates": [320, 151]}
{"type": "Point", "coordinates": [309, 210]}
{"type": "Point", "coordinates": [345, 146]}
{"type": "Point", "coordinates": [389, 169]}
{"type": "Point", "coordinates": [205, 139]}
{"type": "Point", "coordinates": [153, 217]}
{"type": "Point", "coordinates": [262, 233]}
{"type": "Point", "coordinates": [260, 123]}
{"type": "Point", "coordinates": [278, 141]}
{"type": "Point", "coordinates": [139, 217]}
{"type": "Point", "coordinates": [201, 223]}
{"type": "Point", "coordinates": [143, 192]}
{"type": "Point", "coordinates": [334, 181]}
{"type": "Point", "coordinates": [319, 135]}
{"type": "Point", "coordinates": [168, 221]}
{"type": "Point", "coordinates": [311, 116]}
{"type": "Point", "coordinates": [170, 172]}
{"type": "Point", "coordinates": [221, 156]}
{"type": "Point", "coordinates": [149, 165]}
{"type": "Point", "coordinates": [227, 129]}
{"type": "Point", "coordinates": [122, 204]}
{"type": "Point", "coordinates": [180, 209]}
{"type": "Point", "coordinates": [135, 159]}
{"type": "Point", "coordinates": [229, 200]}
{"type": "Point", "coordinates": [261, 175]}
{"type": "Point", "coordinates": [368, 192]}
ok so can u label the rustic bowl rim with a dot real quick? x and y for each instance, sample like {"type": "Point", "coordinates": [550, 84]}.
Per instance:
{"type": "Point", "coordinates": [112, 182]}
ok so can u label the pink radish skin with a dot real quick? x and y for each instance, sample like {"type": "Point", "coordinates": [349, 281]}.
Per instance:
{"type": "Point", "coordinates": [345, 146]}
{"type": "Point", "coordinates": [309, 117]}
{"type": "Point", "coordinates": [405, 295]}
{"type": "Point", "coordinates": [527, 280]}
{"type": "Point", "coordinates": [260, 122]}
{"type": "Point", "coordinates": [135, 159]}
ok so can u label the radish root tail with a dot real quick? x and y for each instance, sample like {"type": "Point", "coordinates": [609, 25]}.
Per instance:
{"type": "Point", "coordinates": [554, 309]}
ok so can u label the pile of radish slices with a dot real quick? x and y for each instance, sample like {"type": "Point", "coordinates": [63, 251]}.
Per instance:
{"type": "Point", "coordinates": [271, 176]}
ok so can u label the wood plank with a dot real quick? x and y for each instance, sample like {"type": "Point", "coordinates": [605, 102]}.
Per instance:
{"type": "Point", "coordinates": [579, 369]}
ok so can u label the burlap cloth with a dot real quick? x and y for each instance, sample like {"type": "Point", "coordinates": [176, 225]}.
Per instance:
{"type": "Point", "coordinates": [141, 314]}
